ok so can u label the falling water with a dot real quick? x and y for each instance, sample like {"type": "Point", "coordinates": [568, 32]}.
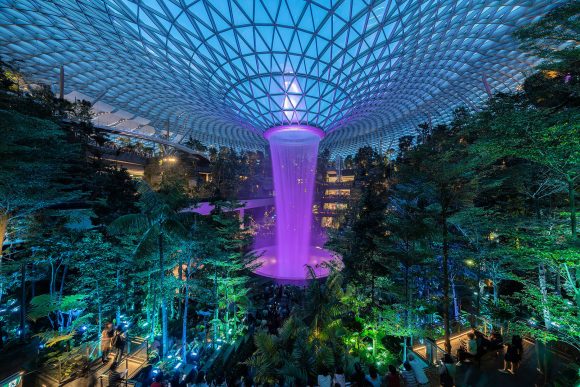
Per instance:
{"type": "Point", "coordinates": [294, 151]}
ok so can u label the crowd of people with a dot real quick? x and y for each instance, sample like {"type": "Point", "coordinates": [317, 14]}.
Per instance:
{"type": "Point", "coordinates": [278, 300]}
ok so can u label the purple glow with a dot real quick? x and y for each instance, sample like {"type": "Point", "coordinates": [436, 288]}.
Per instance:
{"type": "Point", "coordinates": [294, 150]}
{"type": "Point", "coordinates": [270, 264]}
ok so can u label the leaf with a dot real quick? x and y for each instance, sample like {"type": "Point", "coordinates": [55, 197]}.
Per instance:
{"type": "Point", "coordinates": [129, 224]}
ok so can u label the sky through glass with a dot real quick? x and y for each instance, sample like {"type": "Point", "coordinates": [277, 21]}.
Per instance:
{"type": "Point", "coordinates": [365, 72]}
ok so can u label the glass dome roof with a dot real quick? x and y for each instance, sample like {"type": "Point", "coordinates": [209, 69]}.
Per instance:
{"type": "Point", "coordinates": [365, 72]}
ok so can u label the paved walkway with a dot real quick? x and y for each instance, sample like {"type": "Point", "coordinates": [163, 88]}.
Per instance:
{"type": "Point", "coordinates": [487, 374]}
{"type": "Point", "coordinates": [101, 371]}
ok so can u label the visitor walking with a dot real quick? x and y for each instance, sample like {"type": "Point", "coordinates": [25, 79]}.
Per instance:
{"type": "Point", "coordinates": [119, 340]}
{"type": "Point", "coordinates": [513, 355]}
{"type": "Point", "coordinates": [419, 370]}
{"type": "Point", "coordinates": [106, 337]}
{"type": "Point", "coordinates": [408, 375]}
{"type": "Point", "coordinates": [373, 377]}
{"type": "Point", "coordinates": [447, 371]}
{"type": "Point", "coordinates": [339, 377]}
{"type": "Point", "coordinates": [324, 378]}
{"type": "Point", "coordinates": [392, 378]}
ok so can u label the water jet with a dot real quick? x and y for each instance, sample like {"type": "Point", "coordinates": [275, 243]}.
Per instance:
{"type": "Point", "coordinates": [294, 153]}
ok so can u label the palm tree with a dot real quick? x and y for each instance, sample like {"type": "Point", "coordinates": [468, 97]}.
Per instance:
{"type": "Point", "coordinates": [308, 341]}
{"type": "Point", "coordinates": [156, 225]}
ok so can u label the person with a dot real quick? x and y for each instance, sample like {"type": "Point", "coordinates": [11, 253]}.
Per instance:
{"type": "Point", "coordinates": [518, 344]}
{"type": "Point", "coordinates": [106, 336]}
{"type": "Point", "coordinates": [119, 340]}
{"type": "Point", "coordinates": [201, 382]}
{"type": "Point", "coordinates": [472, 345]}
{"type": "Point", "coordinates": [496, 341]}
{"type": "Point", "coordinates": [447, 371]}
{"type": "Point", "coordinates": [507, 358]}
{"type": "Point", "coordinates": [468, 350]}
{"type": "Point", "coordinates": [359, 378]}
{"type": "Point", "coordinates": [115, 377]}
{"type": "Point", "coordinates": [419, 370]}
{"type": "Point", "coordinates": [324, 378]}
{"type": "Point", "coordinates": [339, 377]}
{"type": "Point", "coordinates": [513, 355]}
{"type": "Point", "coordinates": [408, 375]}
{"type": "Point", "coordinates": [373, 377]}
{"type": "Point", "coordinates": [392, 378]}
{"type": "Point", "coordinates": [157, 382]}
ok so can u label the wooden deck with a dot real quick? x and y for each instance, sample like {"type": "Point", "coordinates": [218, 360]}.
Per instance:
{"type": "Point", "coordinates": [486, 372]}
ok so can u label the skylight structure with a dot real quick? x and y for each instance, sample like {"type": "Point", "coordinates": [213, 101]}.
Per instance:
{"type": "Point", "coordinates": [224, 72]}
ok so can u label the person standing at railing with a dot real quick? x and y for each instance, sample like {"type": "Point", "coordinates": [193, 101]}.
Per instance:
{"type": "Point", "coordinates": [447, 371]}
{"type": "Point", "coordinates": [119, 341]}
{"type": "Point", "coordinates": [106, 337]}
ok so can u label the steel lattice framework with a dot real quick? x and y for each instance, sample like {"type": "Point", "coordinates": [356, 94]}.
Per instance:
{"type": "Point", "coordinates": [224, 71]}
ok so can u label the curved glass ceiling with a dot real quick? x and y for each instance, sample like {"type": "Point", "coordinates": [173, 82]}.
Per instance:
{"type": "Point", "coordinates": [365, 72]}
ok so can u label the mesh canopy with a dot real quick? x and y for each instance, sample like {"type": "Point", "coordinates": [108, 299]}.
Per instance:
{"type": "Point", "coordinates": [365, 72]}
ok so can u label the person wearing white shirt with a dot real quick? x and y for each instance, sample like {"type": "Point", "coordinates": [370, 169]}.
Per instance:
{"type": "Point", "coordinates": [324, 379]}
{"type": "Point", "coordinates": [418, 370]}
{"type": "Point", "coordinates": [339, 377]}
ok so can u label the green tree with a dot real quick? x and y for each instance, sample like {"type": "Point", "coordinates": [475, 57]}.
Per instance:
{"type": "Point", "coordinates": [444, 177]}
{"type": "Point", "coordinates": [34, 158]}
{"type": "Point", "coordinates": [158, 227]}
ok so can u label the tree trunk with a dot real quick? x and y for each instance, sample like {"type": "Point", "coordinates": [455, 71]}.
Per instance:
{"type": "Point", "coordinates": [446, 323]}
{"type": "Point", "coordinates": [22, 301]}
{"type": "Point", "coordinates": [544, 292]}
{"type": "Point", "coordinates": [495, 291]}
{"type": "Point", "coordinates": [227, 303]}
{"type": "Point", "coordinates": [3, 227]}
{"type": "Point", "coordinates": [407, 308]}
{"type": "Point", "coordinates": [184, 318]}
{"type": "Point", "coordinates": [152, 307]}
{"type": "Point", "coordinates": [558, 282]}
{"type": "Point", "coordinates": [33, 282]}
{"type": "Point", "coordinates": [99, 317]}
{"type": "Point", "coordinates": [51, 283]}
{"type": "Point", "coordinates": [572, 199]}
{"type": "Point", "coordinates": [180, 290]}
{"type": "Point", "coordinates": [455, 301]}
{"type": "Point", "coordinates": [164, 331]}
{"type": "Point", "coordinates": [118, 291]}
{"type": "Point", "coordinates": [372, 288]}
{"type": "Point", "coordinates": [64, 271]}
{"type": "Point", "coordinates": [480, 285]}
{"type": "Point", "coordinates": [215, 313]}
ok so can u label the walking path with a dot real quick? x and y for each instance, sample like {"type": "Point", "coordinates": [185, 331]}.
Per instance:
{"type": "Point", "coordinates": [487, 373]}
{"type": "Point", "coordinates": [99, 375]}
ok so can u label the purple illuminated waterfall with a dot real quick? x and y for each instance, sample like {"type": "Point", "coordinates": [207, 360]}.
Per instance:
{"type": "Point", "coordinates": [294, 151]}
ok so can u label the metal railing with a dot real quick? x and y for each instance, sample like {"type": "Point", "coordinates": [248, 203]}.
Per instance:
{"type": "Point", "coordinates": [85, 359]}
